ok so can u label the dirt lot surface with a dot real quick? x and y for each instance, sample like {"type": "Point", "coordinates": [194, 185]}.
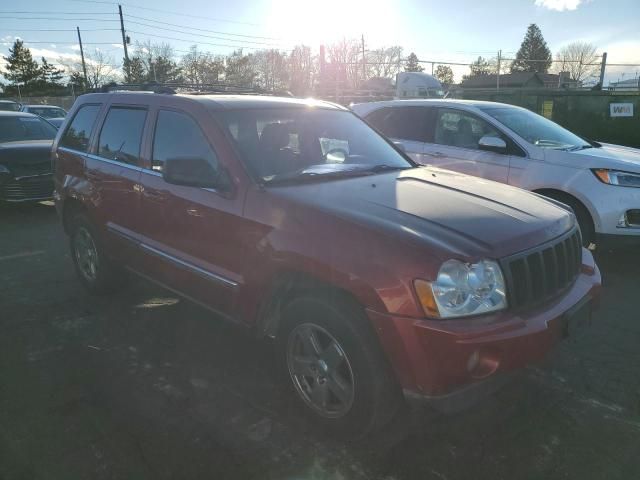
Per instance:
{"type": "Point", "coordinates": [143, 385]}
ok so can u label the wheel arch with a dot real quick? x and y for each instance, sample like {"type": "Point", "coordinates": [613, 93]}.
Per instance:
{"type": "Point", "coordinates": [289, 284]}
{"type": "Point", "coordinates": [71, 206]}
{"type": "Point", "coordinates": [568, 198]}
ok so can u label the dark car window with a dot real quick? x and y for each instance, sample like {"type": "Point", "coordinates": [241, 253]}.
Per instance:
{"type": "Point", "coordinates": [405, 123]}
{"type": "Point", "coordinates": [458, 128]}
{"type": "Point", "coordinates": [121, 135]}
{"type": "Point", "coordinates": [79, 131]}
{"type": "Point", "coordinates": [25, 128]}
{"type": "Point", "coordinates": [47, 112]}
{"type": "Point", "coordinates": [178, 136]}
{"type": "Point", "coordinates": [9, 106]}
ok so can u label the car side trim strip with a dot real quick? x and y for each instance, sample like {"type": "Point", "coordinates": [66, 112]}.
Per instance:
{"type": "Point", "coordinates": [181, 263]}
{"type": "Point", "coordinates": [201, 271]}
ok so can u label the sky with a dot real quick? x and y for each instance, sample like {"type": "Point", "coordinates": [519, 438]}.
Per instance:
{"type": "Point", "coordinates": [436, 30]}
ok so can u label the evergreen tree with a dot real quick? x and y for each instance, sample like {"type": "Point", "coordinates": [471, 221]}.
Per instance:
{"type": "Point", "coordinates": [412, 64]}
{"type": "Point", "coordinates": [534, 55]}
{"type": "Point", "coordinates": [135, 67]}
{"type": "Point", "coordinates": [49, 74]}
{"type": "Point", "coordinates": [21, 68]}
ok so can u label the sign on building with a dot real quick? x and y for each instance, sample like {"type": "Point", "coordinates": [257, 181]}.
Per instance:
{"type": "Point", "coordinates": [621, 109]}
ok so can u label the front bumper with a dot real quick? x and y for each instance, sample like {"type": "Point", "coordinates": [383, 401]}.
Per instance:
{"type": "Point", "coordinates": [433, 358]}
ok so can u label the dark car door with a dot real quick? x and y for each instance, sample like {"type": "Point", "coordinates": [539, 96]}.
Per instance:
{"type": "Point", "coordinates": [113, 171]}
{"type": "Point", "coordinates": [191, 235]}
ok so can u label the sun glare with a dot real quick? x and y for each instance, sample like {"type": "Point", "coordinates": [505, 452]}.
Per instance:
{"type": "Point", "coordinates": [322, 22]}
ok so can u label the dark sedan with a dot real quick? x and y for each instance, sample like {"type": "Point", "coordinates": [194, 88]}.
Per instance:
{"type": "Point", "coordinates": [25, 165]}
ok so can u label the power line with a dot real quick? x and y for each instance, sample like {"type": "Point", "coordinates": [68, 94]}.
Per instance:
{"type": "Point", "coordinates": [200, 17]}
{"type": "Point", "coordinates": [69, 43]}
{"type": "Point", "coordinates": [42, 12]}
{"type": "Point", "coordinates": [193, 41]}
{"type": "Point", "coordinates": [64, 19]}
{"type": "Point", "coordinates": [61, 30]}
{"type": "Point", "coordinates": [201, 34]}
{"type": "Point", "coordinates": [201, 29]}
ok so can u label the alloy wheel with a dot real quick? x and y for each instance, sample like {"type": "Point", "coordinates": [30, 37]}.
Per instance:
{"type": "Point", "coordinates": [86, 254]}
{"type": "Point", "coordinates": [320, 370]}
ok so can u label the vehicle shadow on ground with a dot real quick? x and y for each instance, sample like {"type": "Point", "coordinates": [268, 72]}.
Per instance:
{"type": "Point", "coordinates": [145, 385]}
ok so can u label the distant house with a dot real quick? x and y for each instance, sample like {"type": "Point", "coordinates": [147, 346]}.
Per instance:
{"type": "Point", "coordinates": [521, 80]}
{"type": "Point", "coordinates": [629, 85]}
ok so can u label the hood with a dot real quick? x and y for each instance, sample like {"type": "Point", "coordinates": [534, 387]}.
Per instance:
{"type": "Point", "coordinates": [29, 157]}
{"type": "Point", "coordinates": [606, 156]}
{"type": "Point", "coordinates": [455, 214]}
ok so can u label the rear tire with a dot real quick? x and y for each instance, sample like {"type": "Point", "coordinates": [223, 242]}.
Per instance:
{"type": "Point", "coordinates": [95, 270]}
{"type": "Point", "coordinates": [331, 361]}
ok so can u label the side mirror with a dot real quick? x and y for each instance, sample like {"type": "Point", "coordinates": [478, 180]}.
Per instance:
{"type": "Point", "coordinates": [492, 144]}
{"type": "Point", "coordinates": [191, 172]}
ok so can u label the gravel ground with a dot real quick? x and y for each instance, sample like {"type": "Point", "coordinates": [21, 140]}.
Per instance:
{"type": "Point", "coordinates": [143, 385]}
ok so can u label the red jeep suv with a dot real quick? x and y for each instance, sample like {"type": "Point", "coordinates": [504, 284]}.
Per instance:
{"type": "Point", "coordinates": [297, 220]}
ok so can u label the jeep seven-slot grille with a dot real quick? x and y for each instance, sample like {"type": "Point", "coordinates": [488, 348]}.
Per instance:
{"type": "Point", "coordinates": [27, 188]}
{"type": "Point", "coordinates": [541, 273]}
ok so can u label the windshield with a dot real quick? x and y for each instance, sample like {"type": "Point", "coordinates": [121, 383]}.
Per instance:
{"type": "Point", "coordinates": [25, 128]}
{"type": "Point", "coordinates": [536, 129]}
{"type": "Point", "coordinates": [295, 143]}
{"type": "Point", "coordinates": [47, 112]}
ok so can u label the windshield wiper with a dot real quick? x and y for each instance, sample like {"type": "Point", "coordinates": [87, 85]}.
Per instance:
{"type": "Point", "coordinates": [313, 175]}
{"type": "Point", "coordinates": [579, 147]}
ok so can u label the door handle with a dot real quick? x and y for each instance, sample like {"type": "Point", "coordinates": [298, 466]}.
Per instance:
{"type": "Point", "coordinates": [138, 188]}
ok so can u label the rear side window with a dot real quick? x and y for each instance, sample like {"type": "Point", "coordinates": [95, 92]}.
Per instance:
{"type": "Point", "coordinates": [79, 131]}
{"type": "Point", "coordinates": [178, 136]}
{"type": "Point", "coordinates": [121, 135]}
{"type": "Point", "coordinates": [404, 123]}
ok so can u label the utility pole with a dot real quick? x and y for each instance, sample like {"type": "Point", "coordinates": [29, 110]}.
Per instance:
{"type": "Point", "coordinates": [84, 65]}
{"type": "Point", "coordinates": [124, 44]}
{"type": "Point", "coordinates": [603, 66]}
{"type": "Point", "coordinates": [498, 73]}
{"type": "Point", "coordinates": [432, 64]}
{"type": "Point", "coordinates": [364, 62]}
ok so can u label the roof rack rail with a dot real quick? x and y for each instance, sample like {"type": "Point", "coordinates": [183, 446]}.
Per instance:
{"type": "Point", "coordinates": [189, 88]}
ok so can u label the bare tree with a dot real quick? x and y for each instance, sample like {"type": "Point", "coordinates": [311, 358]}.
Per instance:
{"type": "Point", "coordinates": [301, 70]}
{"type": "Point", "coordinates": [100, 68]}
{"type": "Point", "coordinates": [271, 69]}
{"type": "Point", "coordinates": [154, 61]}
{"type": "Point", "coordinates": [201, 67]}
{"type": "Point", "coordinates": [346, 62]}
{"type": "Point", "coordinates": [579, 59]}
{"type": "Point", "coordinates": [385, 62]}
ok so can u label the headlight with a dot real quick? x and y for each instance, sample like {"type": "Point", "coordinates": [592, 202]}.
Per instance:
{"type": "Point", "coordinates": [615, 177]}
{"type": "Point", "coordinates": [463, 289]}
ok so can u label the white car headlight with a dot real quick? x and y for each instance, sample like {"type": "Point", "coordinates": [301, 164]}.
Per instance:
{"type": "Point", "coordinates": [463, 289]}
{"type": "Point", "coordinates": [618, 178]}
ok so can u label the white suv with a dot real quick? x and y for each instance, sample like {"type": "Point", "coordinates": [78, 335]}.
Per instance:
{"type": "Point", "coordinates": [509, 144]}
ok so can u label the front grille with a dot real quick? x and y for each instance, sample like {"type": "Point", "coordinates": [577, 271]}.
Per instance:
{"type": "Point", "coordinates": [27, 188]}
{"type": "Point", "coordinates": [543, 272]}
{"type": "Point", "coordinates": [633, 218]}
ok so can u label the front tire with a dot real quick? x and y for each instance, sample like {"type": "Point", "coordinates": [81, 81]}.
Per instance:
{"type": "Point", "coordinates": [94, 269]}
{"type": "Point", "coordinates": [332, 362]}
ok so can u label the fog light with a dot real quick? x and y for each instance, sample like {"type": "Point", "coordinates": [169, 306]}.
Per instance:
{"type": "Point", "coordinates": [483, 363]}
{"type": "Point", "coordinates": [622, 221]}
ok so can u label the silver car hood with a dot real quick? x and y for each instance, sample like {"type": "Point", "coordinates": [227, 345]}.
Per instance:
{"type": "Point", "coordinates": [615, 157]}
